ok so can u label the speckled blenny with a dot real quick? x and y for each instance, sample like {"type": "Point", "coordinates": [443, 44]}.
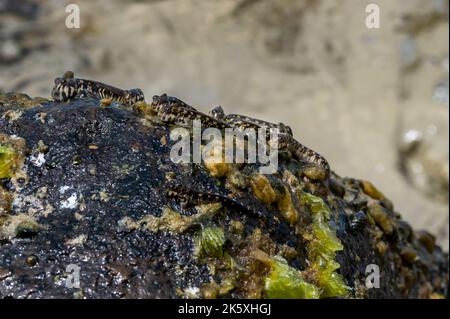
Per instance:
{"type": "Point", "coordinates": [172, 110]}
{"type": "Point", "coordinates": [226, 142]}
{"type": "Point", "coordinates": [68, 87]}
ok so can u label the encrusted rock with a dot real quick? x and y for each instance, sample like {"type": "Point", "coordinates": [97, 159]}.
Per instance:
{"type": "Point", "coordinates": [85, 183]}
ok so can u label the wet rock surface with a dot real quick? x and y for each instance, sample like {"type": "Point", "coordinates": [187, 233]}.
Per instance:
{"type": "Point", "coordinates": [83, 184]}
{"type": "Point", "coordinates": [86, 185]}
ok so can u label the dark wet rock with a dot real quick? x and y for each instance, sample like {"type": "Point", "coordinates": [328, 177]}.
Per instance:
{"type": "Point", "coordinates": [89, 189]}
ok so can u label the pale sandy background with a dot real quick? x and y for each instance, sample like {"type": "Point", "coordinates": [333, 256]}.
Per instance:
{"type": "Point", "coordinates": [373, 101]}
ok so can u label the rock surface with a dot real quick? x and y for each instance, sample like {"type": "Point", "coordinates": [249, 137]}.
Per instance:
{"type": "Point", "coordinates": [83, 184]}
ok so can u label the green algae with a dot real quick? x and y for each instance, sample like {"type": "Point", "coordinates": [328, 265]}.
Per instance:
{"type": "Point", "coordinates": [322, 249]}
{"type": "Point", "coordinates": [12, 152]}
{"type": "Point", "coordinates": [19, 101]}
{"type": "Point", "coordinates": [209, 242]}
{"type": "Point", "coordinates": [8, 159]}
{"type": "Point", "coordinates": [286, 282]}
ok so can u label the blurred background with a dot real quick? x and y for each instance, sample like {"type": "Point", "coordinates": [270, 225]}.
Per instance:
{"type": "Point", "coordinates": [374, 102]}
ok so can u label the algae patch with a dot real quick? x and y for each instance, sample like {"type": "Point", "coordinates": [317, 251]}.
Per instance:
{"type": "Point", "coordinates": [12, 153]}
{"type": "Point", "coordinates": [210, 242]}
{"type": "Point", "coordinates": [18, 226]}
{"type": "Point", "coordinates": [19, 101]}
{"type": "Point", "coordinates": [284, 281]}
{"type": "Point", "coordinates": [322, 248]}
{"type": "Point", "coordinates": [8, 160]}
{"type": "Point", "coordinates": [170, 220]}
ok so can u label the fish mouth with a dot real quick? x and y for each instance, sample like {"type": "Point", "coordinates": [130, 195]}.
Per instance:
{"type": "Point", "coordinates": [56, 93]}
{"type": "Point", "coordinates": [63, 91]}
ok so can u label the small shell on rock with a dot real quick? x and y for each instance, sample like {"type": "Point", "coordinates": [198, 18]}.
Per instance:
{"type": "Point", "coordinates": [76, 160]}
{"type": "Point", "coordinates": [405, 230]}
{"type": "Point", "coordinates": [358, 221]}
{"type": "Point", "coordinates": [31, 260]}
{"type": "Point", "coordinates": [381, 218]}
{"type": "Point", "coordinates": [371, 190]}
{"type": "Point", "coordinates": [381, 247]}
{"type": "Point", "coordinates": [217, 169]}
{"type": "Point", "coordinates": [4, 273]}
{"type": "Point", "coordinates": [42, 148]}
{"type": "Point", "coordinates": [409, 255]}
{"type": "Point", "coordinates": [427, 239]}
{"type": "Point", "coordinates": [237, 227]}
{"type": "Point", "coordinates": [262, 189]}
{"type": "Point", "coordinates": [314, 173]}
{"type": "Point", "coordinates": [237, 179]}
{"type": "Point", "coordinates": [286, 206]}
{"type": "Point", "coordinates": [288, 252]}
{"type": "Point", "coordinates": [170, 176]}
{"type": "Point", "coordinates": [210, 291]}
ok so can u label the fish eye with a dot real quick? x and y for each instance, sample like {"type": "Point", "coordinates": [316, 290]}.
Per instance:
{"type": "Point", "coordinates": [68, 75]}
